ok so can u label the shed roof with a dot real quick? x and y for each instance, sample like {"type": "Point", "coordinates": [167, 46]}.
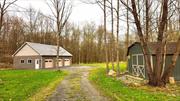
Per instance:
{"type": "Point", "coordinates": [45, 50]}
{"type": "Point", "coordinates": [170, 47]}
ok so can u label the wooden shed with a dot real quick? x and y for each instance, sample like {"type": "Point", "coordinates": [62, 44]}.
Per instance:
{"type": "Point", "coordinates": [39, 56]}
{"type": "Point", "coordinates": [136, 63]}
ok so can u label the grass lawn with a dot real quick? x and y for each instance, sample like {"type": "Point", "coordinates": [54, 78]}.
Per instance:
{"type": "Point", "coordinates": [122, 65]}
{"type": "Point", "coordinates": [121, 92]}
{"type": "Point", "coordinates": [20, 85]}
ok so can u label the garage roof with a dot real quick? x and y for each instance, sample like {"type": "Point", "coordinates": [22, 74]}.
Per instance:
{"type": "Point", "coordinates": [45, 50]}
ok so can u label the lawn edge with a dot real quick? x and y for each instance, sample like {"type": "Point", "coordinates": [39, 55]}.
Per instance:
{"type": "Point", "coordinates": [44, 92]}
{"type": "Point", "coordinates": [111, 96]}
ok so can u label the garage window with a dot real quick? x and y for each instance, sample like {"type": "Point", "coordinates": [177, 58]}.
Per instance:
{"type": "Point", "coordinates": [66, 60]}
{"type": "Point", "coordinates": [29, 61]}
{"type": "Point", "coordinates": [22, 61]}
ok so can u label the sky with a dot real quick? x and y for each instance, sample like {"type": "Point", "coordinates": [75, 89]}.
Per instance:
{"type": "Point", "coordinates": [81, 14]}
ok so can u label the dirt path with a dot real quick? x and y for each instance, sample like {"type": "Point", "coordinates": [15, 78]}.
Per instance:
{"type": "Point", "coordinates": [76, 87]}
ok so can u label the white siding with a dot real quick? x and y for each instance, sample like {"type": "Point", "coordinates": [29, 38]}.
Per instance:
{"type": "Point", "coordinates": [27, 51]}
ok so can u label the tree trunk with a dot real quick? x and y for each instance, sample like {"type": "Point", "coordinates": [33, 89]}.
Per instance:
{"type": "Point", "coordinates": [117, 39]}
{"type": "Point", "coordinates": [112, 35]}
{"type": "Point", "coordinates": [58, 48]}
{"type": "Point", "coordinates": [127, 34]}
{"type": "Point", "coordinates": [105, 39]}
{"type": "Point", "coordinates": [143, 43]}
{"type": "Point", "coordinates": [147, 20]}
{"type": "Point", "coordinates": [160, 44]}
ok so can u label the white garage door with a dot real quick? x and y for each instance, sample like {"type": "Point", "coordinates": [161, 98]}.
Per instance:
{"type": "Point", "coordinates": [48, 63]}
{"type": "Point", "coordinates": [67, 62]}
{"type": "Point", "coordinates": [60, 63]}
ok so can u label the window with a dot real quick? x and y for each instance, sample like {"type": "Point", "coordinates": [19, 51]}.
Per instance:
{"type": "Point", "coordinates": [22, 61]}
{"type": "Point", "coordinates": [140, 60]}
{"type": "Point", "coordinates": [29, 61]}
{"type": "Point", "coordinates": [134, 59]}
{"type": "Point", "coordinates": [66, 60]}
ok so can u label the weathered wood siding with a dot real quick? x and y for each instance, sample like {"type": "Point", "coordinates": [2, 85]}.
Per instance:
{"type": "Point", "coordinates": [136, 49]}
{"type": "Point", "coordinates": [176, 72]}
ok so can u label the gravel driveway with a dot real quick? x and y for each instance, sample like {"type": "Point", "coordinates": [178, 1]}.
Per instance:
{"type": "Point", "coordinates": [76, 87]}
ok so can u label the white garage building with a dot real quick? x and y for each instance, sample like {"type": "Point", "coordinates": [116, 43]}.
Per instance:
{"type": "Point", "coordinates": [39, 56]}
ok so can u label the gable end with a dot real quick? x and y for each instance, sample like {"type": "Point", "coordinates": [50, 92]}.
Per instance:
{"type": "Point", "coordinates": [26, 50]}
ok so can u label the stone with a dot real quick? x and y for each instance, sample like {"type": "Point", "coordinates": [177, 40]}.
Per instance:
{"type": "Point", "coordinates": [171, 80]}
{"type": "Point", "coordinates": [137, 84]}
{"type": "Point", "coordinates": [112, 73]}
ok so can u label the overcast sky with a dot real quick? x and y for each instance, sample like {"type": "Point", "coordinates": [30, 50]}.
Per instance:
{"type": "Point", "coordinates": [82, 13]}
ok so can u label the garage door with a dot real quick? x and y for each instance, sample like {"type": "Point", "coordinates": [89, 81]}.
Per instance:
{"type": "Point", "coordinates": [60, 63]}
{"type": "Point", "coordinates": [48, 63]}
{"type": "Point", "coordinates": [67, 62]}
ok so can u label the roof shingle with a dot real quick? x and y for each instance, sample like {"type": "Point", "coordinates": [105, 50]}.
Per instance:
{"type": "Point", "coordinates": [170, 47]}
{"type": "Point", "coordinates": [48, 50]}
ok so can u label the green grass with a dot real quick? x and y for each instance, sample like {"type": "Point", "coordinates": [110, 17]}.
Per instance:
{"type": "Point", "coordinates": [123, 65]}
{"type": "Point", "coordinates": [121, 92]}
{"type": "Point", "coordinates": [19, 85]}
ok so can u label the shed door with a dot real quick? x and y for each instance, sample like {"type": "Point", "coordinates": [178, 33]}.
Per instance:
{"type": "Point", "coordinates": [138, 68]}
{"type": "Point", "coordinates": [48, 63]}
{"type": "Point", "coordinates": [60, 63]}
{"type": "Point", "coordinates": [67, 62]}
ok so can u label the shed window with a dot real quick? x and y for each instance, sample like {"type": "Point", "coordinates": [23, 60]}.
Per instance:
{"type": "Point", "coordinates": [22, 61]}
{"type": "Point", "coordinates": [134, 60]}
{"type": "Point", "coordinates": [29, 61]}
{"type": "Point", "coordinates": [140, 60]}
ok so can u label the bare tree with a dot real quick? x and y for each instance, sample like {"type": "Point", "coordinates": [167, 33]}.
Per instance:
{"type": "Point", "coordinates": [61, 10]}
{"type": "Point", "coordinates": [154, 74]}
{"type": "Point", "coordinates": [32, 17]}
{"type": "Point", "coordinates": [147, 19]}
{"type": "Point", "coordinates": [112, 39]}
{"type": "Point", "coordinates": [105, 37]}
{"type": "Point", "coordinates": [127, 30]}
{"type": "Point", "coordinates": [4, 5]}
{"type": "Point", "coordinates": [117, 38]}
